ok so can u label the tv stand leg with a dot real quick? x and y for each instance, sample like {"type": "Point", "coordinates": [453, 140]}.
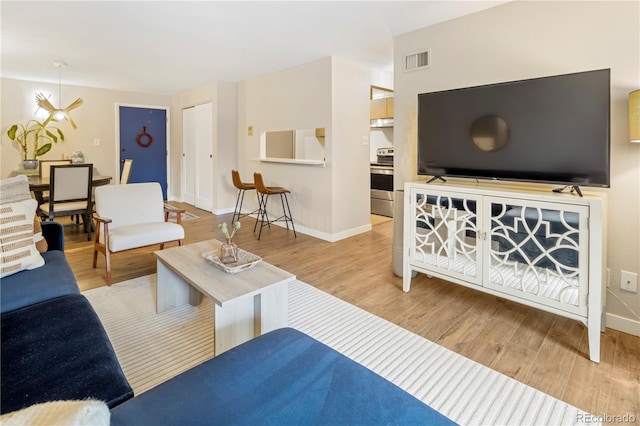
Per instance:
{"type": "Point", "coordinates": [574, 188]}
{"type": "Point", "coordinates": [433, 179]}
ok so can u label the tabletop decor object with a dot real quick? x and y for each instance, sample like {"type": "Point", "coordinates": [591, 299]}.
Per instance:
{"type": "Point", "coordinates": [29, 138]}
{"type": "Point", "coordinates": [228, 249]}
{"type": "Point", "coordinates": [77, 157]}
{"type": "Point", "coordinates": [245, 261]}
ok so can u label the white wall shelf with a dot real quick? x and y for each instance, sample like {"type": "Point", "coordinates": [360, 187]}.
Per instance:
{"type": "Point", "coordinates": [291, 161]}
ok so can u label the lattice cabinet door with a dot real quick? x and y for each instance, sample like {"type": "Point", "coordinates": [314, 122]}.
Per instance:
{"type": "Point", "coordinates": [445, 239]}
{"type": "Point", "coordinates": [538, 251]}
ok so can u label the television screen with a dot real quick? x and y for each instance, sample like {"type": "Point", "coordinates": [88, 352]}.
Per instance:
{"type": "Point", "coordinates": [551, 129]}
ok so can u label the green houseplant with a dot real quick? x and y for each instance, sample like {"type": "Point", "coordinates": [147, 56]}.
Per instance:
{"type": "Point", "coordinates": [34, 139]}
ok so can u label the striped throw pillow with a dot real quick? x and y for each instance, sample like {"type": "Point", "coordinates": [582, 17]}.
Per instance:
{"type": "Point", "coordinates": [17, 248]}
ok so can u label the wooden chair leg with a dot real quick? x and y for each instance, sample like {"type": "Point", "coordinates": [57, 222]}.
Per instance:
{"type": "Point", "coordinates": [108, 266]}
{"type": "Point", "coordinates": [95, 256]}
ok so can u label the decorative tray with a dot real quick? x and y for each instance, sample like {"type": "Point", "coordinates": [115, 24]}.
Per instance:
{"type": "Point", "coordinates": [245, 261]}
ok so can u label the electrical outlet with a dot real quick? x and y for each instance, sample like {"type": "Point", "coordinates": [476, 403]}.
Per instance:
{"type": "Point", "coordinates": [608, 277]}
{"type": "Point", "coordinates": [629, 281]}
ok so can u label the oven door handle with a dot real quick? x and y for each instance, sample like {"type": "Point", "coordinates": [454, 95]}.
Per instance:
{"type": "Point", "coordinates": [377, 170]}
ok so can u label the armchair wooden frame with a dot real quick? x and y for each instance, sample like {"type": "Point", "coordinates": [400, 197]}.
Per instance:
{"type": "Point", "coordinates": [104, 246]}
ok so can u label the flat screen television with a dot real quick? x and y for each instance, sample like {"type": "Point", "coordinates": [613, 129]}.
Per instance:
{"type": "Point", "coordinates": [549, 130]}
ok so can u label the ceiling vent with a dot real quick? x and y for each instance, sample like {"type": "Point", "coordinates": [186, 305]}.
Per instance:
{"type": "Point", "coordinates": [417, 60]}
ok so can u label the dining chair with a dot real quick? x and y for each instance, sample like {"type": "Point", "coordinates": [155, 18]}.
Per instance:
{"type": "Point", "coordinates": [126, 171]}
{"type": "Point", "coordinates": [70, 194]}
{"type": "Point", "coordinates": [45, 166]}
{"type": "Point", "coordinates": [44, 170]}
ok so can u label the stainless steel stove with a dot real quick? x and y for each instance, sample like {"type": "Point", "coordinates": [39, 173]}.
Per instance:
{"type": "Point", "coordinates": [382, 183]}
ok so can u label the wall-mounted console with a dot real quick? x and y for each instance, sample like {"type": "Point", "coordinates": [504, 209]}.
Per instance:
{"type": "Point", "coordinates": [541, 249]}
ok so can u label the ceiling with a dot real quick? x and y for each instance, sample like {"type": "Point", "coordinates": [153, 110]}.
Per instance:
{"type": "Point", "coordinates": [166, 47]}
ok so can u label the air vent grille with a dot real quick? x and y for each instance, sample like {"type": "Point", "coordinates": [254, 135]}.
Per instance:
{"type": "Point", "coordinates": [417, 60]}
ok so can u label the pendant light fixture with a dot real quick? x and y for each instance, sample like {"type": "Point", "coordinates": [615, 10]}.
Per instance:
{"type": "Point", "coordinates": [57, 114]}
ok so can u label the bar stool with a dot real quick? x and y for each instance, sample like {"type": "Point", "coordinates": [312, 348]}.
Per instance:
{"type": "Point", "coordinates": [242, 187]}
{"type": "Point", "coordinates": [263, 197]}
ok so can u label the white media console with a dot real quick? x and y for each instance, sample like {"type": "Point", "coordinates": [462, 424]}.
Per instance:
{"type": "Point", "coordinates": [538, 248]}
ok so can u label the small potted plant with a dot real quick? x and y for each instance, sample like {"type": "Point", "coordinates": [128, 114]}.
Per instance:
{"type": "Point", "coordinates": [34, 139]}
{"type": "Point", "coordinates": [228, 249]}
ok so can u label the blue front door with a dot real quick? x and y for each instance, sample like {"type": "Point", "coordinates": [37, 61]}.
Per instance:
{"type": "Point", "coordinates": [143, 138]}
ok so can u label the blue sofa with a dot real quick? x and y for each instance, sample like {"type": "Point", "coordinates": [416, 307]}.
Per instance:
{"type": "Point", "coordinates": [284, 377]}
{"type": "Point", "coordinates": [53, 345]}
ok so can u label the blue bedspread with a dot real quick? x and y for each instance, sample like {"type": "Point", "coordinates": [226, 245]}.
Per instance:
{"type": "Point", "coordinates": [281, 378]}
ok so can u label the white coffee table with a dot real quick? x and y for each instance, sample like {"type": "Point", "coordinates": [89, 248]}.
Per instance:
{"type": "Point", "coordinates": [247, 304]}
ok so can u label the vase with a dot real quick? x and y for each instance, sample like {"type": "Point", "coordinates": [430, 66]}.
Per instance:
{"type": "Point", "coordinates": [228, 252]}
{"type": "Point", "coordinates": [77, 157]}
{"type": "Point", "coordinates": [30, 164]}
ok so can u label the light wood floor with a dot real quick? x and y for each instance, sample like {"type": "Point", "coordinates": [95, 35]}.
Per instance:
{"type": "Point", "coordinates": [545, 351]}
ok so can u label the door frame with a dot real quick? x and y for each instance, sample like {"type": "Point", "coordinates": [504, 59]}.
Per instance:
{"type": "Point", "coordinates": [210, 167]}
{"type": "Point", "coordinates": [167, 111]}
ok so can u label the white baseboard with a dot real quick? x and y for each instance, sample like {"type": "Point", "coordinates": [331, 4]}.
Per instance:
{"type": "Point", "coordinates": [223, 211]}
{"type": "Point", "coordinates": [332, 238]}
{"type": "Point", "coordinates": [626, 325]}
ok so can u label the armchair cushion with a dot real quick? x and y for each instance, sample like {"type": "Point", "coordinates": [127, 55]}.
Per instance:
{"type": "Point", "coordinates": [130, 204]}
{"type": "Point", "coordinates": [143, 234]}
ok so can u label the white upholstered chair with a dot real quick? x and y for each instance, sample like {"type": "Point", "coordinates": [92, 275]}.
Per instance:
{"type": "Point", "coordinates": [132, 216]}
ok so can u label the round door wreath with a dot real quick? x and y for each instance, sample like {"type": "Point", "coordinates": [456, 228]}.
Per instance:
{"type": "Point", "coordinates": [142, 135]}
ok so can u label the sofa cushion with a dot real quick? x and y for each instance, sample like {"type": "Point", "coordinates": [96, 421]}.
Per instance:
{"type": "Point", "coordinates": [38, 238]}
{"type": "Point", "coordinates": [17, 246]}
{"type": "Point", "coordinates": [58, 350]}
{"type": "Point", "coordinates": [54, 279]}
{"type": "Point", "coordinates": [68, 413]}
{"type": "Point", "coordinates": [17, 189]}
{"type": "Point", "coordinates": [14, 189]}
{"type": "Point", "coordinates": [280, 378]}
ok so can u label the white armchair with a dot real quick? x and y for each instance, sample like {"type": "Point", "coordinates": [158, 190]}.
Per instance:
{"type": "Point", "coordinates": [132, 216]}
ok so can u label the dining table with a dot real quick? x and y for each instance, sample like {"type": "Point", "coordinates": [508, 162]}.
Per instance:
{"type": "Point", "coordinates": [38, 185]}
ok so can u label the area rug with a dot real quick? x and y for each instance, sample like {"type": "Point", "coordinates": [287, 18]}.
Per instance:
{"type": "Point", "coordinates": [154, 347]}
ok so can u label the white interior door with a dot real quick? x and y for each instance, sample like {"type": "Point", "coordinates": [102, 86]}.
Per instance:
{"type": "Point", "coordinates": [204, 156]}
{"type": "Point", "coordinates": [197, 156]}
{"type": "Point", "coordinates": [188, 156]}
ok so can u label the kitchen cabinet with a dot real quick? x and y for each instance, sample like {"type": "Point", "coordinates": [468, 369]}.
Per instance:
{"type": "Point", "coordinates": [540, 249]}
{"type": "Point", "coordinates": [382, 108]}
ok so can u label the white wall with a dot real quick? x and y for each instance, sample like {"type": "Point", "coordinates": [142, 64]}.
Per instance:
{"type": "Point", "coordinates": [350, 186]}
{"type": "Point", "coordinates": [330, 202]}
{"type": "Point", "coordinates": [522, 40]}
{"type": "Point", "coordinates": [95, 118]}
